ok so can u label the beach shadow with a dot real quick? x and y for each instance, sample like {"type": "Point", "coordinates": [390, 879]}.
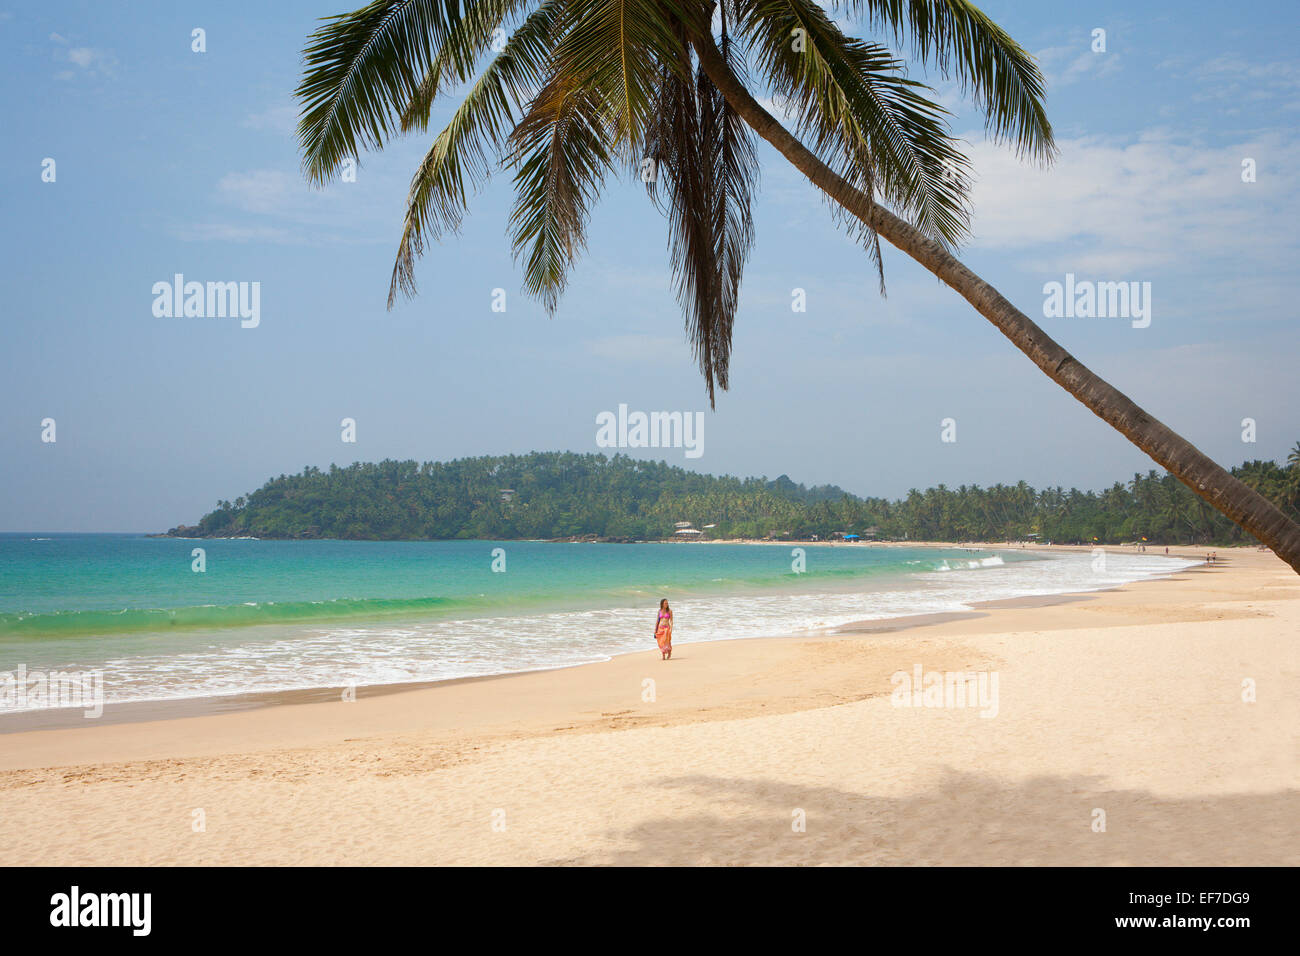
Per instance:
{"type": "Point", "coordinates": [967, 819]}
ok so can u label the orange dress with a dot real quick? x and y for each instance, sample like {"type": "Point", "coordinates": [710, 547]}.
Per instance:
{"type": "Point", "coordinates": [664, 631]}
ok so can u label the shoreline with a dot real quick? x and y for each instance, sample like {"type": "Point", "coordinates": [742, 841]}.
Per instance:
{"type": "Point", "coordinates": [208, 705]}
{"type": "Point", "coordinates": [1129, 700]}
{"type": "Point", "coordinates": [190, 708]}
{"type": "Point", "coordinates": [66, 718]}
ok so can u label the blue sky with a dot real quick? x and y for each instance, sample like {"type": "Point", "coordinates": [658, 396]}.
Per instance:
{"type": "Point", "coordinates": [170, 161]}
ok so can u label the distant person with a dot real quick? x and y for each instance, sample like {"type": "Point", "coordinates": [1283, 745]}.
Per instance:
{"type": "Point", "coordinates": [664, 630]}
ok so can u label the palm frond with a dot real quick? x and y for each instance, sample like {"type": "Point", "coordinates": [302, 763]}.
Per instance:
{"type": "Point", "coordinates": [615, 48]}
{"type": "Point", "coordinates": [466, 150]}
{"type": "Point", "coordinates": [965, 44]}
{"type": "Point", "coordinates": [362, 68]}
{"type": "Point", "coordinates": [562, 150]}
{"type": "Point", "coordinates": [863, 116]}
{"type": "Point", "coordinates": [706, 164]}
{"type": "Point", "coordinates": [469, 36]}
{"type": "Point", "coordinates": [918, 166]}
{"type": "Point", "coordinates": [736, 173]}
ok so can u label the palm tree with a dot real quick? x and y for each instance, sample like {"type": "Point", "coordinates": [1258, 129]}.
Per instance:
{"type": "Point", "coordinates": [574, 91]}
{"type": "Point", "coordinates": [1291, 487]}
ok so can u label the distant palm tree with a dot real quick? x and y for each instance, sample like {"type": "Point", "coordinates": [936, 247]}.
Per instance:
{"type": "Point", "coordinates": [576, 90]}
{"type": "Point", "coordinates": [1292, 479]}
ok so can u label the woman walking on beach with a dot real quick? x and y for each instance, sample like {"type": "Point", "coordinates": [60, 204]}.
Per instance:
{"type": "Point", "coordinates": [664, 630]}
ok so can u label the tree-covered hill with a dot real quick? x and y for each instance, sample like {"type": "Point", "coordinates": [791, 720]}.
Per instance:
{"type": "Point", "coordinates": [565, 495]}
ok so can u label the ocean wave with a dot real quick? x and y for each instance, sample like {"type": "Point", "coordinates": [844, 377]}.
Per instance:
{"type": "Point", "coordinates": [107, 622]}
{"type": "Point", "coordinates": [140, 620]}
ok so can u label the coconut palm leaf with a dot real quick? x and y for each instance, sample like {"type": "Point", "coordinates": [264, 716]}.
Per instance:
{"type": "Point", "coordinates": [703, 157]}
{"type": "Point", "coordinates": [470, 36]}
{"type": "Point", "coordinates": [362, 70]}
{"type": "Point", "coordinates": [855, 108]}
{"type": "Point", "coordinates": [615, 48]}
{"type": "Point", "coordinates": [470, 146]}
{"type": "Point", "coordinates": [962, 42]}
{"type": "Point", "coordinates": [561, 151]}
{"type": "Point", "coordinates": [736, 169]}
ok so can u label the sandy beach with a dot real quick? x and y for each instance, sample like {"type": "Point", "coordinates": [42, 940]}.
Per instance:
{"type": "Point", "coordinates": [1123, 708]}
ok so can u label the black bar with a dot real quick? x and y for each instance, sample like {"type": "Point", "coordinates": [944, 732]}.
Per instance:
{"type": "Point", "coordinates": [945, 907]}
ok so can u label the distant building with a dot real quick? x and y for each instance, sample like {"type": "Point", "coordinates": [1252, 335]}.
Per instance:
{"type": "Point", "coordinates": [682, 524]}
{"type": "Point", "coordinates": [686, 532]}
{"type": "Point", "coordinates": [507, 494]}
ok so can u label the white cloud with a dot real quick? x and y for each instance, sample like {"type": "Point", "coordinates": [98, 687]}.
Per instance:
{"type": "Point", "coordinates": [1229, 72]}
{"type": "Point", "coordinates": [91, 61]}
{"type": "Point", "coordinates": [1063, 65]}
{"type": "Point", "coordinates": [274, 205]}
{"type": "Point", "coordinates": [1126, 204]}
{"type": "Point", "coordinates": [261, 190]}
{"type": "Point", "coordinates": [280, 118]}
{"type": "Point", "coordinates": [1234, 82]}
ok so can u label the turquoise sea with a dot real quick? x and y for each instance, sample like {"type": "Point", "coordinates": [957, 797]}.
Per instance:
{"type": "Point", "coordinates": [273, 615]}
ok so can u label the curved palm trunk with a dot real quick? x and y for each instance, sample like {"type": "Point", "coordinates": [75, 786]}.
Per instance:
{"type": "Point", "coordinates": [1180, 457]}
